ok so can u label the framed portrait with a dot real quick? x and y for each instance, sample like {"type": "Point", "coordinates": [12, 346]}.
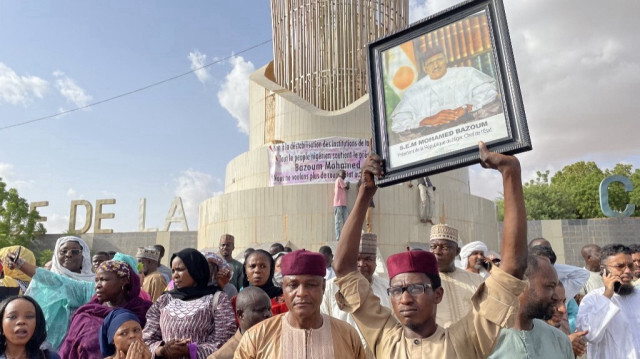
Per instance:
{"type": "Point", "coordinates": [439, 87]}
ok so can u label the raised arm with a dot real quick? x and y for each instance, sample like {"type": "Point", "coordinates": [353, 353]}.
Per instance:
{"type": "Point", "coordinates": [345, 260]}
{"type": "Point", "coordinates": [514, 233]}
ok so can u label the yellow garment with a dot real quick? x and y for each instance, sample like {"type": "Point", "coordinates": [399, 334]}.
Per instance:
{"type": "Point", "coordinates": [25, 254]}
{"type": "Point", "coordinates": [270, 338]}
{"type": "Point", "coordinates": [227, 349]}
{"type": "Point", "coordinates": [9, 282]}
{"type": "Point", "coordinates": [459, 286]}
{"type": "Point", "coordinates": [495, 305]}
{"type": "Point", "coordinates": [154, 284]}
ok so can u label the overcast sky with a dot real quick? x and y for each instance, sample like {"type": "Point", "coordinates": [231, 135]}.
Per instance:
{"type": "Point", "coordinates": [578, 63]}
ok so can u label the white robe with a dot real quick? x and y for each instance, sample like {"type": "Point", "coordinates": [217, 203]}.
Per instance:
{"type": "Point", "coordinates": [460, 86]}
{"type": "Point", "coordinates": [613, 324]}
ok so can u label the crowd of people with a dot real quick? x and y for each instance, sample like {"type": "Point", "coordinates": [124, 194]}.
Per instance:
{"type": "Point", "coordinates": [450, 301]}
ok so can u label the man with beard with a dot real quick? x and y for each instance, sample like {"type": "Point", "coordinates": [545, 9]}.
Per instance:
{"type": "Point", "coordinates": [635, 256]}
{"type": "Point", "coordinates": [611, 314]}
{"type": "Point", "coordinates": [560, 320]}
{"type": "Point", "coordinates": [472, 258]}
{"type": "Point", "coordinates": [531, 337]}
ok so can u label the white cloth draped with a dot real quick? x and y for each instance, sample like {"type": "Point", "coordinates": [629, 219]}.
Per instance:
{"type": "Point", "coordinates": [613, 324]}
{"type": "Point", "coordinates": [86, 272]}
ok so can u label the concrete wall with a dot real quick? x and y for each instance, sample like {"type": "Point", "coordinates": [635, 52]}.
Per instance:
{"type": "Point", "coordinates": [128, 242]}
{"type": "Point", "coordinates": [568, 236]}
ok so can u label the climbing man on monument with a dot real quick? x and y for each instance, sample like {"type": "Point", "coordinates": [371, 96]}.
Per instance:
{"type": "Point", "coordinates": [415, 289]}
{"type": "Point", "coordinates": [340, 201]}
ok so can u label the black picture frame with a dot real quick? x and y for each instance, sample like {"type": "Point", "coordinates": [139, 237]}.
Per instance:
{"type": "Point", "coordinates": [427, 120]}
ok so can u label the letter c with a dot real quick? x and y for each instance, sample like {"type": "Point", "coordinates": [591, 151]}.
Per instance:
{"type": "Point", "coordinates": [604, 196]}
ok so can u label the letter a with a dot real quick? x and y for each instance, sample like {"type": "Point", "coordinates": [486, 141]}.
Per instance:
{"type": "Point", "coordinates": [176, 205]}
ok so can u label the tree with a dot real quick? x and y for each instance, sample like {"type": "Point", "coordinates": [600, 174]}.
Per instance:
{"type": "Point", "coordinates": [581, 181]}
{"type": "Point", "coordinates": [18, 225]}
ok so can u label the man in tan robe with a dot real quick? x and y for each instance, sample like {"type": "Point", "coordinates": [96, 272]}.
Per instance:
{"type": "Point", "coordinates": [252, 306]}
{"type": "Point", "coordinates": [366, 267]}
{"type": "Point", "coordinates": [459, 285]}
{"type": "Point", "coordinates": [154, 282]}
{"type": "Point", "coordinates": [303, 332]}
{"type": "Point", "coordinates": [415, 289]}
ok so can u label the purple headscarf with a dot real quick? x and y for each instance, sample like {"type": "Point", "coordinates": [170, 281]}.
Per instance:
{"type": "Point", "coordinates": [82, 340]}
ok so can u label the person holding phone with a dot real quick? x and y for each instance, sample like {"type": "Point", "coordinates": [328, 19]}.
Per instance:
{"type": "Point", "coordinates": [611, 313]}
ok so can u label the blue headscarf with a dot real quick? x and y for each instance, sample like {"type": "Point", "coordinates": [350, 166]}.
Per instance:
{"type": "Point", "coordinates": [110, 325]}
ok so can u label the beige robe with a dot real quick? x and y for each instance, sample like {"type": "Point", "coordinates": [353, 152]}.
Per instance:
{"type": "Point", "coordinates": [154, 284]}
{"type": "Point", "coordinates": [270, 339]}
{"type": "Point", "coordinates": [227, 349]}
{"type": "Point", "coordinates": [495, 305]}
{"type": "Point", "coordinates": [459, 286]}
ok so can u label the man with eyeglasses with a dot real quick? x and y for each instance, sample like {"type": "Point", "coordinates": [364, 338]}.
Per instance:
{"type": "Point", "coordinates": [612, 314]}
{"type": "Point", "coordinates": [366, 267]}
{"type": "Point", "coordinates": [415, 288]}
{"type": "Point", "coordinates": [459, 285]}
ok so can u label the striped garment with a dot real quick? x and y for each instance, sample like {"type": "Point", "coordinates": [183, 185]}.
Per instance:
{"type": "Point", "coordinates": [171, 318]}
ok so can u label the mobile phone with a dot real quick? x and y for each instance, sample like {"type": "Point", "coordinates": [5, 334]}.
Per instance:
{"type": "Point", "coordinates": [617, 284]}
{"type": "Point", "coordinates": [15, 259]}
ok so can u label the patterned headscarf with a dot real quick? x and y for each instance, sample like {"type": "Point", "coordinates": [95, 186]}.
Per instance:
{"type": "Point", "coordinates": [85, 272]}
{"type": "Point", "coordinates": [224, 268]}
{"type": "Point", "coordinates": [121, 269]}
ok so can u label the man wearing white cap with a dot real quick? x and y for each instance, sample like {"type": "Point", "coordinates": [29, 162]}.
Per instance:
{"type": "Point", "coordinates": [366, 267]}
{"type": "Point", "coordinates": [459, 285]}
{"type": "Point", "coordinates": [472, 258]}
{"type": "Point", "coordinates": [154, 282]}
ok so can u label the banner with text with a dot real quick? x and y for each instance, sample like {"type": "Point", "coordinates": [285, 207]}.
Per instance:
{"type": "Point", "coordinates": [316, 161]}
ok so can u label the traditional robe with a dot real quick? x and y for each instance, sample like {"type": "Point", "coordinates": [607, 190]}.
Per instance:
{"type": "Point", "coordinates": [330, 306]}
{"type": "Point", "coordinates": [541, 342]}
{"type": "Point", "coordinates": [495, 305]}
{"type": "Point", "coordinates": [227, 349]}
{"type": "Point", "coordinates": [154, 284]}
{"type": "Point", "coordinates": [459, 286]}
{"type": "Point", "coordinates": [275, 338]}
{"type": "Point", "coordinates": [594, 282]}
{"type": "Point", "coordinates": [613, 324]}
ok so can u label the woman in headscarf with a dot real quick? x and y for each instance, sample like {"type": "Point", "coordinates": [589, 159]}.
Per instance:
{"type": "Point", "coordinates": [22, 279]}
{"type": "Point", "coordinates": [192, 320]}
{"type": "Point", "coordinates": [121, 336]}
{"type": "Point", "coordinates": [260, 268]}
{"type": "Point", "coordinates": [62, 290]}
{"type": "Point", "coordinates": [221, 273]}
{"type": "Point", "coordinates": [117, 286]}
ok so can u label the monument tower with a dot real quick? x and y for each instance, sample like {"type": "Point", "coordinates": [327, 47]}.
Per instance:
{"type": "Point", "coordinates": [316, 88]}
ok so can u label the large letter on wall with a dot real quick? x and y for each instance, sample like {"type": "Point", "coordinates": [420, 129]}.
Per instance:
{"type": "Point", "coordinates": [142, 218]}
{"type": "Point", "coordinates": [72, 216]}
{"type": "Point", "coordinates": [97, 225]}
{"type": "Point", "coordinates": [176, 206]}
{"type": "Point", "coordinates": [36, 205]}
{"type": "Point", "coordinates": [604, 196]}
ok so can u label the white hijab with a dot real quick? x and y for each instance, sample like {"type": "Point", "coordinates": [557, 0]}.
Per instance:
{"type": "Point", "coordinates": [86, 273]}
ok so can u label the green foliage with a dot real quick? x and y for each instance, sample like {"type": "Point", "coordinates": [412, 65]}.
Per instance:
{"type": "Point", "coordinates": [18, 225]}
{"type": "Point", "coordinates": [581, 181]}
{"type": "Point", "coordinates": [574, 192]}
{"type": "Point", "coordinates": [43, 257]}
